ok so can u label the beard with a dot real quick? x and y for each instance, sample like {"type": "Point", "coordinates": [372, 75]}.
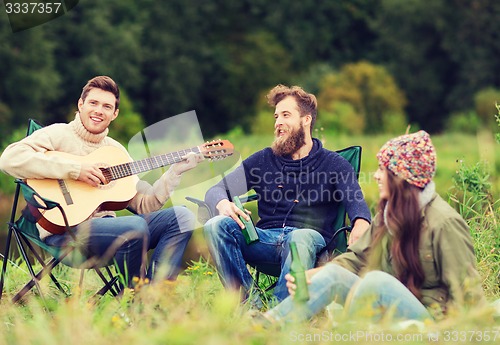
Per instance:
{"type": "Point", "coordinates": [288, 145]}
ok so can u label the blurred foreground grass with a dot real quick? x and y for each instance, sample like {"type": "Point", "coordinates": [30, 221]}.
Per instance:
{"type": "Point", "coordinates": [196, 310]}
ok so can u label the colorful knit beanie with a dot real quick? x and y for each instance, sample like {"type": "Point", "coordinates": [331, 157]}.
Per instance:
{"type": "Point", "coordinates": [411, 157]}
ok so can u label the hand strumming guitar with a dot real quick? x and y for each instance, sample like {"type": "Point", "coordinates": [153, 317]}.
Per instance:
{"type": "Point", "coordinates": [91, 174]}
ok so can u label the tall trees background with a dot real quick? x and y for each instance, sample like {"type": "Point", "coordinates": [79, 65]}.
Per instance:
{"type": "Point", "coordinates": [430, 58]}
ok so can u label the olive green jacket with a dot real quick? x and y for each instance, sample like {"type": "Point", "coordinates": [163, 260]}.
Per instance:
{"type": "Point", "coordinates": [446, 254]}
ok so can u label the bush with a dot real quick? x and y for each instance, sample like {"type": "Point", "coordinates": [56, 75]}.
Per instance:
{"type": "Point", "coordinates": [370, 89]}
{"type": "Point", "coordinates": [466, 122]}
{"type": "Point", "coordinates": [472, 188]}
{"type": "Point", "coordinates": [394, 123]}
{"type": "Point", "coordinates": [497, 117]}
{"type": "Point", "coordinates": [128, 123]}
{"type": "Point", "coordinates": [341, 118]}
{"type": "Point", "coordinates": [473, 198]}
{"type": "Point", "coordinates": [263, 122]}
{"type": "Point", "coordinates": [483, 102]}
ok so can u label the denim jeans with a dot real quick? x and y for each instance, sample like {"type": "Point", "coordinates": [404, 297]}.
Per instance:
{"type": "Point", "coordinates": [377, 290]}
{"type": "Point", "coordinates": [231, 253]}
{"type": "Point", "coordinates": [126, 239]}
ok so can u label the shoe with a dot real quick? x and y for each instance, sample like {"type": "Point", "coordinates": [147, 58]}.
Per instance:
{"type": "Point", "coordinates": [254, 302]}
{"type": "Point", "coordinates": [259, 319]}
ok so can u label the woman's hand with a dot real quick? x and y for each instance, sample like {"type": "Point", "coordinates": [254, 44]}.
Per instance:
{"type": "Point", "coordinates": [290, 280]}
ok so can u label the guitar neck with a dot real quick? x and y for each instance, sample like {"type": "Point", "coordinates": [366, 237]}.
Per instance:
{"type": "Point", "coordinates": [132, 168]}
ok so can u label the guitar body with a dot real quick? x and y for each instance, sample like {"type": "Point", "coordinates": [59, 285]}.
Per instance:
{"type": "Point", "coordinates": [78, 199]}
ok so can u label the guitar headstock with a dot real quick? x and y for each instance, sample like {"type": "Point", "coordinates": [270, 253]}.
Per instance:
{"type": "Point", "coordinates": [217, 149]}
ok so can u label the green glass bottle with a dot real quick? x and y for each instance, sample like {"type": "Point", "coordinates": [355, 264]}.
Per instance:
{"type": "Point", "coordinates": [297, 271]}
{"type": "Point", "coordinates": [249, 231]}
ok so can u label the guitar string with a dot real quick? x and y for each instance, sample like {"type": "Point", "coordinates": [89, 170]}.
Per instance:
{"type": "Point", "coordinates": [131, 168]}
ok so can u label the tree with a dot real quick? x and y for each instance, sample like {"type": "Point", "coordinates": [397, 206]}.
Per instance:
{"type": "Point", "coordinates": [208, 57]}
{"type": "Point", "coordinates": [29, 81]}
{"type": "Point", "coordinates": [469, 31]}
{"type": "Point", "coordinates": [368, 88]}
{"type": "Point", "coordinates": [441, 53]}
{"type": "Point", "coordinates": [91, 40]}
{"type": "Point", "coordinates": [335, 32]}
{"type": "Point", "coordinates": [409, 45]}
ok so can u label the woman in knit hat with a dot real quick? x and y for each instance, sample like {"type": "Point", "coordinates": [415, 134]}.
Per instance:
{"type": "Point", "coordinates": [416, 261]}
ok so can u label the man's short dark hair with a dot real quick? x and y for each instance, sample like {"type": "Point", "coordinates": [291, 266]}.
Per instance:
{"type": "Point", "coordinates": [104, 83]}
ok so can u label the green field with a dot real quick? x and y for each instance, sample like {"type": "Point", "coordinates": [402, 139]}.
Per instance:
{"type": "Point", "coordinates": [196, 310]}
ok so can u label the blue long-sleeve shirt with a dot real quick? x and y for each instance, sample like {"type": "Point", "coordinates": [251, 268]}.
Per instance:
{"type": "Point", "coordinates": [303, 193]}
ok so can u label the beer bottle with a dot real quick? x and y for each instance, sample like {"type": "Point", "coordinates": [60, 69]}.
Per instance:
{"type": "Point", "coordinates": [297, 271]}
{"type": "Point", "coordinates": [249, 231]}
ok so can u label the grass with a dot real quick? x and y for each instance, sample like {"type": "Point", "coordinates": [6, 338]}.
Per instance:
{"type": "Point", "coordinates": [196, 310]}
{"type": "Point", "coordinates": [193, 310]}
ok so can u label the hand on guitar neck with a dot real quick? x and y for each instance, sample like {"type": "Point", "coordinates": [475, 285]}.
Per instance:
{"type": "Point", "coordinates": [189, 161]}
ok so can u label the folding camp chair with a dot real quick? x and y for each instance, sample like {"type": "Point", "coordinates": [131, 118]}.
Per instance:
{"type": "Point", "coordinates": [27, 238]}
{"type": "Point", "coordinates": [336, 246]}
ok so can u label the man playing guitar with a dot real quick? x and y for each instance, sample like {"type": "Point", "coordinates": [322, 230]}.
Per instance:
{"type": "Point", "coordinates": [167, 231]}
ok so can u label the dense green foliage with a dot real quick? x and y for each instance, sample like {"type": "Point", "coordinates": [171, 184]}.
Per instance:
{"type": "Point", "coordinates": [218, 57]}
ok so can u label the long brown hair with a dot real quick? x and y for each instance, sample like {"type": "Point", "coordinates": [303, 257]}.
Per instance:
{"type": "Point", "coordinates": [400, 214]}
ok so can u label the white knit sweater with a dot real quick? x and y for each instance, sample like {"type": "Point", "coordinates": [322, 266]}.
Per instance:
{"type": "Point", "coordinates": [26, 159]}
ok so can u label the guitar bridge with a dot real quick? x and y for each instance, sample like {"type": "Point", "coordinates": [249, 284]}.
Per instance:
{"type": "Point", "coordinates": [65, 192]}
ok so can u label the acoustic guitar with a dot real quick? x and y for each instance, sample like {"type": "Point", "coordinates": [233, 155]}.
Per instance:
{"type": "Point", "coordinates": [79, 200]}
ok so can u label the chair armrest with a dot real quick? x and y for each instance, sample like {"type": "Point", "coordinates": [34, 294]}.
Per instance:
{"type": "Point", "coordinates": [331, 249]}
{"type": "Point", "coordinates": [204, 211]}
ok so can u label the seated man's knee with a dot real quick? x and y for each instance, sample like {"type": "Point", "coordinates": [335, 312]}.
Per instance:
{"type": "Point", "coordinates": [185, 218]}
{"type": "Point", "coordinates": [184, 214]}
{"type": "Point", "coordinates": [217, 224]}
{"type": "Point", "coordinates": [303, 236]}
{"type": "Point", "coordinates": [308, 238]}
{"type": "Point", "coordinates": [137, 232]}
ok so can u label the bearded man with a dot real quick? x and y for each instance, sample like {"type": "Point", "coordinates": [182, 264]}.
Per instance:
{"type": "Point", "coordinates": [300, 186]}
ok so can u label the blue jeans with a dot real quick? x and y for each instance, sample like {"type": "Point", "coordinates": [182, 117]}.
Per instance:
{"type": "Point", "coordinates": [231, 253]}
{"type": "Point", "coordinates": [127, 239]}
{"type": "Point", "coordinates": [377, 289]}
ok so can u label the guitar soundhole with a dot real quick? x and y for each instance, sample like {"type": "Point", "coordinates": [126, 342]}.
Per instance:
{"type": "Point", "coordinates": [107, 185]}
{"type": "Point", "coordinates": [108, 175]}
